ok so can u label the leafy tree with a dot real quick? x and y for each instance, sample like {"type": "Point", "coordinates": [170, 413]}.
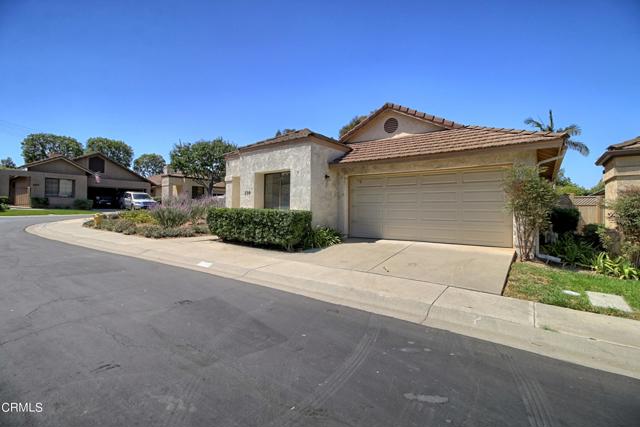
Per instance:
{"type": "Point", "coordinates": [40, 146]}
{"type": "Point", "coordinates": [353, 123]}
{"type": "Point", "coordinates": [116, 150]}
{"type": "Point", "coordinates": [571, 130]}
{"type": "Point", "coordinates": [203, 161]}
{"type": "Point", "coordinates": [149, 164]}
{"type": "Point", "coordinates": [7, 163]}
{"type": "Point", "coordinates": [284, 132]}
{"type": "Point", "coordinates": [597, 188]}
{"type": "Point", "coordinates": [531, 199]}
{"type": "Point", "coordinates": [626, 214]}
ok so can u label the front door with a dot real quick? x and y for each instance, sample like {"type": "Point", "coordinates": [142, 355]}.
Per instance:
{"type": "Point", "coordinates": [22, 191]}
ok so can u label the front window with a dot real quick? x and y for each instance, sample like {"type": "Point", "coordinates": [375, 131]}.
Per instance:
{"type": "Point", "coordinates": [276, 190]}
{"type": "Point", "coordinates": [138, 196]}
{"type": "Point", "coordinates": [59, 187]}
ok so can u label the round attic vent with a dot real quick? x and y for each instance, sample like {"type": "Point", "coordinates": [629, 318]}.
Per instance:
{"type": "Point", "coordinates": [391, 125]}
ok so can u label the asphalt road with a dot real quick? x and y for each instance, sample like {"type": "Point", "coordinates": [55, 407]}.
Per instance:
{"type": "Point", "coordinates": [106, 340]}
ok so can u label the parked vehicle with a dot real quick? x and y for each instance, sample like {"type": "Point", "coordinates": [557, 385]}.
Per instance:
{"type": "Point", "coordinates": [105, 202]}
{"type": "Point", "coordinates": [137, 200]}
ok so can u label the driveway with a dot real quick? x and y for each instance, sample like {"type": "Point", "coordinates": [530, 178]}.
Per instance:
{"type": "Point", "coordinates": [470, 267]}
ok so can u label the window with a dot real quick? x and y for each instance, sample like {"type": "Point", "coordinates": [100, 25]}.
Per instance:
{"type": "Point", "coordinates": [59, 187]}
{"type": "Point", "coordinates": [276, 190]}
{"type": "Point", "coordinates": [197, 192]}
{"type": "Point", "coordinates": [96, 164]}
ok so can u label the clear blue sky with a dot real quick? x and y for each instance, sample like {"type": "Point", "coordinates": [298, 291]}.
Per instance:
{"type": "Point", "coordinates": [155, 72]}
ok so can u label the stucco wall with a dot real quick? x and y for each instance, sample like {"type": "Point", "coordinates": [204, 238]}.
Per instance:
{"type": "Point", "coordinates": [37, 185]}
{"type": "Point", "coordinates": [251, 166]}
{"type": "Point", "coordinates": [406, 125]}
{"type": "Point", "coordinates": [57, 166]}
{"type": "Point", "coordinates": [620, 173]}
{"type": "Point", "coordinates": [324, 186]}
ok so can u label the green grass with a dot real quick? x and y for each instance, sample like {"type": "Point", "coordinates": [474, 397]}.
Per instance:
{"type": "Point", "coordinates": [542, 283]}
{"type": "Point", "coordinates": [21, 212]}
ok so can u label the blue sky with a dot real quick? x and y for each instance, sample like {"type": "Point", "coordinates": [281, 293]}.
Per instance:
{"type": "Point", "coordinates": [155, 72]}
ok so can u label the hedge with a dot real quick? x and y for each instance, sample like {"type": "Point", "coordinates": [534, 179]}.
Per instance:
{"type": "Point", "coordinates": [85, 204]}
{"type": "Point", "coordinates": [39, 202]}
{"type": "Point", "coordinates": [4, 200]}
{"type": "Point", "coordinates": [565, 220]}
{"type": "Point", "coordinates": [260, 226]}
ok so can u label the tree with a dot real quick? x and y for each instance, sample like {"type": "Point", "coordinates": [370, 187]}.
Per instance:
{"type": "Point", "coordinates": [116, 150]}
{"type": "Point", "coordinates": [531, 199]}
{"type": "Point", "coordinates": [7, 163]}
{"type": "Point", "coordinates": [40, 146]}
{"type": "Point", "coordinates": [353, 123]}
{"type": "Point", "coordinates": [284, 132]}
{"type": "Point", "coordinates": [203, 161]}
{"type": "Point", "coordinates": [571, 130]}
{"type": "Point", "coordinates": [149, 164]}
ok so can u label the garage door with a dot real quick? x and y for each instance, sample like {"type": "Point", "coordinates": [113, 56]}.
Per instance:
{"type": "Point", "coordinates": [465, 207]}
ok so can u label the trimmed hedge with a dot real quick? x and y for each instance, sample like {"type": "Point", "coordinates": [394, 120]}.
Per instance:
{"type": "Point", "coordinates": [83, 204]}
{"type": "Point", "coordinates": [39, 202]}
{"type": "Point", "coordinates": [260, 226]}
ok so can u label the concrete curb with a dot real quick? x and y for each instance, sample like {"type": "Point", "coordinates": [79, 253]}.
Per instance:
{"type": "Point", "coordinates": [594, 340]}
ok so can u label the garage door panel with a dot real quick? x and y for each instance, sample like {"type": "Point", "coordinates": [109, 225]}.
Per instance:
{"type": "Point", "coordinates": [458, 207]}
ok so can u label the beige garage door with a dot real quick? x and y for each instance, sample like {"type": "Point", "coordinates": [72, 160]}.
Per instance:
{"type": "Point", "coordinates": [464, 207]}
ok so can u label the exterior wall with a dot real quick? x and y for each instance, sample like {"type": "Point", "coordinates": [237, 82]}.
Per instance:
{"type": "Point", "coordinates": [505, 158]}
{"type": "Point", "coordinates": [251, 166]}
{"type": "Point", "coordinates": [620, 173]}
{"type": "Point", "coordinates": [406, 125]}
{"type": "Point", "coordinates": [324, 186]}
{"type": "Point", "coordinates": [175, 186]}
{"type": "Point", "coordinates": [111, 170]}
{"type": "Point", "coordinates": [135, 185]}
{"type": "Point", "coordinates": [57, 166]}
{"type": "Point", "coordinates": [38, 188]}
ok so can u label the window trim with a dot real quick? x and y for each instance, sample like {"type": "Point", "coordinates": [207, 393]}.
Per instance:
{"type": "Point", "coordinates": [57, 183]}
{"type": "Point", "coordinates": [280, 205]}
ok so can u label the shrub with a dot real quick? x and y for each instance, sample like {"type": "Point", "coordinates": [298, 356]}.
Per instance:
{"type": "Point", "coordinates": [530, 198]}
{"type": "Point", "coordinates": [83, 204]}
{"type": "Point", "coordinates": [39, 202]}
{"type": "Point", "coordinates": [260, 226]}
{"type": "Point", "coordinates": [4, 200]}
{"type": "Point", "coordinates": [618, 267]}
{"type": "Point", "coordinates": [626, 214]}
{"type": "Point", "coordinates": [571, 250]}
{"type": "Point", "coordinates": [138, 216]}
{"type": "Point", "coordinates": [200, 207]}
{"type": "Point", "coordinates": [169, 216]}
{"type": "Point", "coordinates": [564, 220]}
{"type": "Point", "coordinates": [591, 234]}
{"type": "Point", "coordinates": [4, 207]}
{"type": "Point", "coordinates": [158, 232]}
{"type": "Point", "coordinates": [321, 237]}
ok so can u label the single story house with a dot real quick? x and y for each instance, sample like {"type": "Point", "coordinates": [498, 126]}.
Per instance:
{"type": "Point", "coordinates": [172, 183]}
{"type": "Point", "coordinates": [621, 164]}
{"type": "Point", "coordinates": [399, 174]}
{"type": "Point", "coordinates": [63, 180]}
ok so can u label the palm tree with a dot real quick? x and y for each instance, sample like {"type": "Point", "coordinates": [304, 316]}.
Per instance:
{"type": "Point", "coordinates": [571, 130]}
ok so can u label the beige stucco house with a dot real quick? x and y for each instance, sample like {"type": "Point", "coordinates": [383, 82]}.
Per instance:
{"type": "Point", "coordinates": [621, 164]}
{"type": "Point", "coordinates": [400, 174]}
{"type": "Point", "coordinates": [172, 183]}
{"type": "Point", "coordinates": [62, 180]}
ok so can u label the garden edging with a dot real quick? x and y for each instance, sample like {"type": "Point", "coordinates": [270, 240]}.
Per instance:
{"type": "Point", "coordinates": [594, 340]}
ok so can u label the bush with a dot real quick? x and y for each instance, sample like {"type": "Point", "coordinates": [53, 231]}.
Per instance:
{"type": "Point", "coordinates": [530, 198]}
{"type": "Point", "coordinates": [260, 226]}
{"type": "Point", "coordinates": [571, 250]}
{"type": "Point", "coordinates": [82, 204]}
{"type": "Point", "coordinates": [591, 234]}
{"type": "Point", "coordinates": [138, 216]}
{"type": "Point", "coordinates": [626, 214]}
{"type": "Point", "coordinates": [4, 207]}
{"type": "Point", "coordinates": [321, 237]}
{"type": "Point", "coordinates": [159, 232]}
{"type": "Point", "coordinates": [618, 267]}
{"type": "Point", "coordinates": [564, 220]}
{"type": "Point", "coordinates": [39, 202]}
{"type": "Point", "coordinates": [4, 200]}
{"type": "Point", "coordinates": [201, 206]}
{"type": "Point", "coordinates": [169, 216]}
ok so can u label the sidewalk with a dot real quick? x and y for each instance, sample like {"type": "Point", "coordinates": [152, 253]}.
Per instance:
{"type": "Point", "coordinates": [598, 341]}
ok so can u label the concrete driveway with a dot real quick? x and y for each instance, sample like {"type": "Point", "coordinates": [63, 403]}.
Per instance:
{"type": "Point", "coordinates": [471, 267]}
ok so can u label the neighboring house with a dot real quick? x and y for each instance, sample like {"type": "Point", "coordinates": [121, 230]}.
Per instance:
{"type": "Point", "coordinates": [63, 180]}
{"type": "Point", "coordinates": [621, 164]}
{"type": "Point", "coordinates": [399, 174]}
{"type": "Point", "coordinates": [175, 184]}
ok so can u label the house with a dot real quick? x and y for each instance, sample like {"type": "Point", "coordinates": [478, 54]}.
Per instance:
{"type": "Point", "coordinates": [621, 164]}
{"type": "Point", "coordinates": [399, 174]}
{"type": "Point", "coordinates": [62, 180]}
{"type": "Point", "coordinates": [171, 183]}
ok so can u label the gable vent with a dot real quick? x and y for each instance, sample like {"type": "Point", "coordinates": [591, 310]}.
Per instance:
{"type": "Point", "coordinates": [391, 125]}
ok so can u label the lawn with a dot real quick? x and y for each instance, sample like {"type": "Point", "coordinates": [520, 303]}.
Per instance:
{"type": "Point", "coordinates": [542, 283]}
{"type": "Point", "coordinates": [21, 212]}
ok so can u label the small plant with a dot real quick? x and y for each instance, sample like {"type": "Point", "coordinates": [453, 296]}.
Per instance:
{"type": "Point", "coordinates": [571, 250]}
{"type": "Point", "coordinates": [321, 237]}
{"type": "Point", "coordinates": [138, 217]}
{"type": "Point", "coordinates": [617, 267]}
{"type": "Point", "coordinates": [626, 214]}
{"type": "Point", "coordinates": [564, 220]}
{"type": "Point", "coordinates": [83, 204]}
{"type": "Point", "coordinates": [159, 232]}
{"type": "Point", "coordinates": [591, 234]}
{"type": "Point", "coordinates": [170, 216]}
{"type": "Point", "coordinates": [4, 207]}
{"type": "Point", "coordinates": [39, 202]}
{"type": "Point", "coordinates": [4, 200]}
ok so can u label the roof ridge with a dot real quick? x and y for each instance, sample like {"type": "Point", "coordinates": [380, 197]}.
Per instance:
{"type": "Point", "coordinates": [516, 131]}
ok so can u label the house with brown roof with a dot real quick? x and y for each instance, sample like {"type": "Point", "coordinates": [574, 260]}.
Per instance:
{"type": "Point", "coordinates": [621, 164]}
{"type": "Point", "coordinates": [62, 180]}
{"type": "Point", "coordinates": [399, 174]}
{"type": "Point", "coordinates": [171, 183]}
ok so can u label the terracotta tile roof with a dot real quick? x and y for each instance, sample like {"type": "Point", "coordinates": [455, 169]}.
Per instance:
{"type": "Point", "coordinates": [460, 138]}
{"type": "Point", "coordinates": [287, 137]}
{"type": "Point", "coordinates": [157, 179]}
{"type": "Point", "coordinates": [630, 147]}
{"type": "Point", "coordinates": [447, 124]}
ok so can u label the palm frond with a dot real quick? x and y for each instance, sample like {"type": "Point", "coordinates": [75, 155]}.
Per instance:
{"type": "Point", "coordinates": [578, 146]}
{"type": "Point", "coordinates": [551, 125]}
{"type": "Point", "coordinates": [572, 130]}
{"type": "Point", "coordinates": [534, 123]}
